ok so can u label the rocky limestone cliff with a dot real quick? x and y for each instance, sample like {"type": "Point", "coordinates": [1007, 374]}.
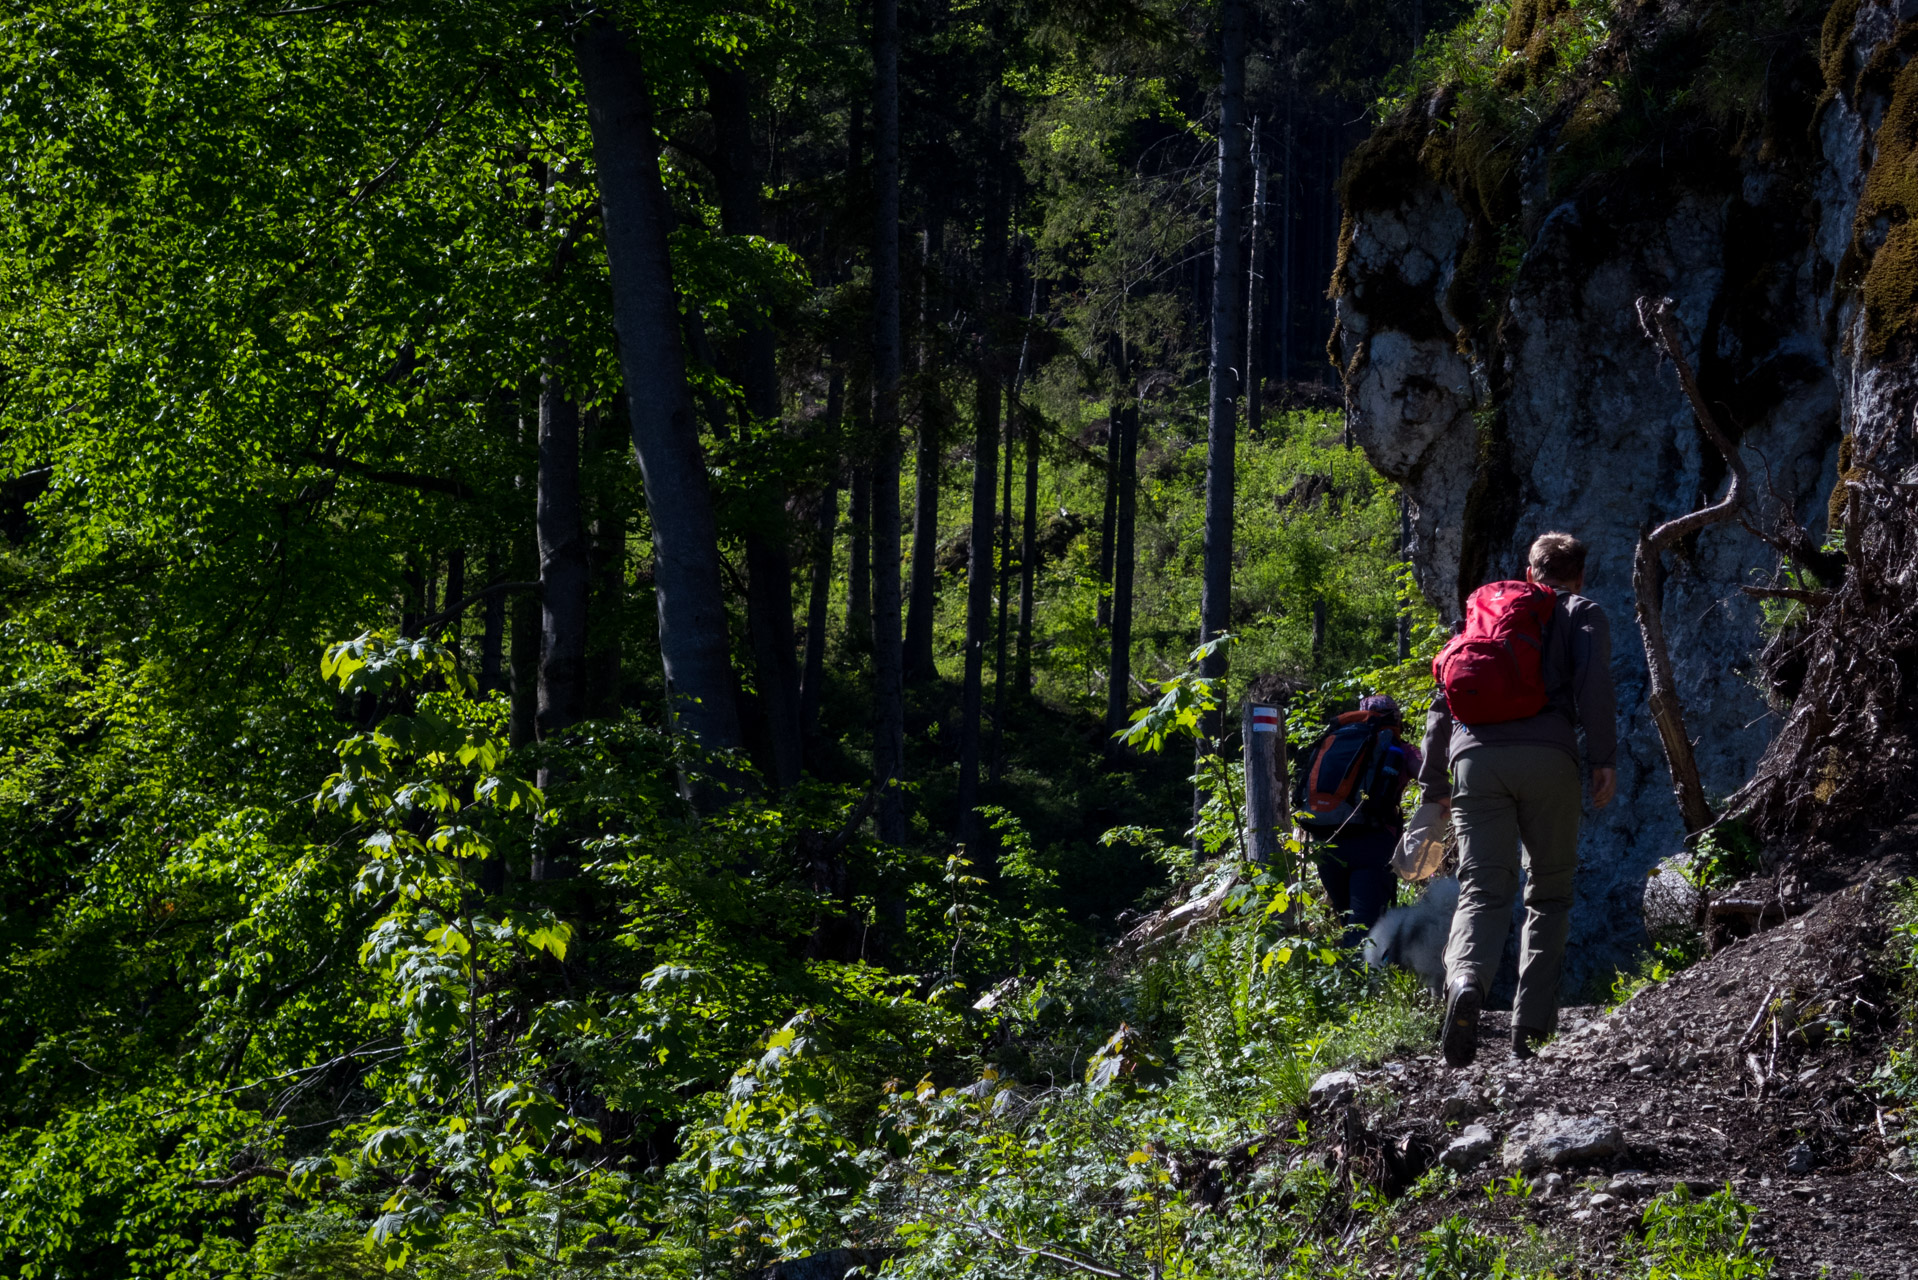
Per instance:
{"type": "Point", "coordinates": [1495, 242]}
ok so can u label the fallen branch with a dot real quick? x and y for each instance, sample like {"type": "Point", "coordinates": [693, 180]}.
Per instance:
{"type": "Point", "coordinates": [1056, 1253]}
{"type": "Point", "coordinates": [1745, 1040]}
{"type": "Point", "coordinates": [1656, 319]}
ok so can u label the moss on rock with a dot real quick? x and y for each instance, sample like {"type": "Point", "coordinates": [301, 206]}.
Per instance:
{"type": "Point", "coordinates": [1882, 260]}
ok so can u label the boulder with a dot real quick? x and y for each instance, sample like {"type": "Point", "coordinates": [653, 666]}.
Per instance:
{"type": "Point", "coordinates": [1332, 1089]}
{"type": "Point", "coordinates": [1550, 1139]}
{"type": "Point", "coordinates": [1469, 1149]}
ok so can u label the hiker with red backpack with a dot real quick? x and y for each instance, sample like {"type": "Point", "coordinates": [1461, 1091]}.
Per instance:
{"type": "Point", "coordinates": [1530, 668]}
{"type": "Point", "coordinates": [1346, 799]}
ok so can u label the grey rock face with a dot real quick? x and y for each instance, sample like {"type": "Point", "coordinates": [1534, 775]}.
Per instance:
{"type": "Point", "coordinates": [1469, 1149]}
{"type": "Point", "coordinates": [1564, 415]}
{"type": "Point", "coordinates": [1550, 1139]}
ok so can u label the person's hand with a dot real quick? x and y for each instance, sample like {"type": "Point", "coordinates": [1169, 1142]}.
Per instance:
{"type": "Point", "coordinates": [1443, 802]}
{"type": "Point", "coordinates": [1604, 787]}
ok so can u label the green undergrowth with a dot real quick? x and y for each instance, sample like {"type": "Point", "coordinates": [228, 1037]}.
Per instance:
{"type": "Point", "coordinates": [1897, 1079]}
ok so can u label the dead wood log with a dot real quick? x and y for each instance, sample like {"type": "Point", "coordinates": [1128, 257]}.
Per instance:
{"type": "Point", "coordinates": [1655, 317]}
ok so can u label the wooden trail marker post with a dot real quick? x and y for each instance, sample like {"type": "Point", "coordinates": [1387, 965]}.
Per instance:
{"type": "Point", "coordinates": [1266, 818]}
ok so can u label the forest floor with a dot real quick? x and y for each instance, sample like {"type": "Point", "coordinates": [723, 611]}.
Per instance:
{"type": "Point", "coordinates": [1666, 1089]}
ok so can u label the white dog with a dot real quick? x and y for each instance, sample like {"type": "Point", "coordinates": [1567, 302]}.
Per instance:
{"type": "Point", "coordinates": [1414, 937]}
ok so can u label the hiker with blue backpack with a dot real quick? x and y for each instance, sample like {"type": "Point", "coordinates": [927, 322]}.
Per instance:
{"type": "Point", "coordinates": [1346, 799]}
{"type": "Point", "coordinates": [1529, 669]}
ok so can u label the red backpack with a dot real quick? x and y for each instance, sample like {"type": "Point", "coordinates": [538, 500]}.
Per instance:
{"type": "Point", "coordinates": [1492, 670]}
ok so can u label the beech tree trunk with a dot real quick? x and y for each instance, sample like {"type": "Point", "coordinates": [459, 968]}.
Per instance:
{"type": "Point", "coordinates": [637, 218]}
{"type": "Point", "coordinates": [1227, 350]}
{"type": "Point", "coordinates": [889, 706]}
{"type": "Point", "coordinates": [564, 576]}
{"type": "Point", "coordinates": [769, 609]}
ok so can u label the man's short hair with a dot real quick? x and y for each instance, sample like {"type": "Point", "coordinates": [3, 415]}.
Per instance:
{"type": "Point", "coordinates": [1557, 557]}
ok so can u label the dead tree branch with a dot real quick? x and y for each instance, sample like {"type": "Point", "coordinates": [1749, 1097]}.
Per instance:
{"type": "Point", "coordinates": [1655, 317]}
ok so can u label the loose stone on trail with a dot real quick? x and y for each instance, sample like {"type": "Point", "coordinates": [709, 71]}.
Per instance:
{"type": "Point", "coordinates": [1552, 1139]}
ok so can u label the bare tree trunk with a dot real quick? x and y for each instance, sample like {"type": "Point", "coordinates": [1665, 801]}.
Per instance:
{"type": "Point", "coordinates": [819, 601]}
{"type": "Point", "coordinates": [605, 611]}
{"type": "Point", "coordinates": [1028, 546]}
{"type": "Point", "coordinates": [1109, 509]}
{"type": "Point", "coordinates": [923, 595]}
{"type": "Point", "coordinates": [563, 572]}
{"type": "Point", "coordinates": [769, 608]}
{"type": "Point", "coordinates": [1228, 315]}
{"type": "Point", "coordinates": [1255, 266]}
{"type": "Point", "coordinates": [1002, 690]}
{"type": "Point", "coordinates": [859, 571]}
{"type": "Point", "coordinates": [413, 611]}
{"type": "Point", "coordinates": [455, 588]}
{"type": "Point", "coordinates": [1648, 576]}
{"type": "Point", "coordinates": [889, 707]}
{"type": "Point", "coordinates": [636, 218]}
{"type": "Point", "coordinates": [522, 725]}
{"type": "Point", "coordinates": [1285, 250]}
{"type": "Point", "coordinates": [1119, 678]}
{"type": "Point", "coordinates": [493, 634]}
{"type": "Point", "coordinates": [979, 589]}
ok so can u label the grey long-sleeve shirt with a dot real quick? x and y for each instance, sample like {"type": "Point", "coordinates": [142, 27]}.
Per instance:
{"type": "Point", "coordinates": [1577, 666]}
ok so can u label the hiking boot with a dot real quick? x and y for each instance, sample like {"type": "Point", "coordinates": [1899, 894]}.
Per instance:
{"type": "Point", "coordinates": [1525, 1041]}
{"type": "Point", "coordinates": [1460, 1037]}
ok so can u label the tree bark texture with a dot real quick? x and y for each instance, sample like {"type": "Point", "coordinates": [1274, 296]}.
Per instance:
{"type": "Point", "coordinates": [606, 547]}
{"type": "Point", "coordinates": [923, 595]}
{"type": "Point", "coordinates": [859, 555]}
{"type": "Point", "coordinates": [889, 706]}
{"type": "Point", "coordinates": [979, 590]}
{"type": "Point", "coordinates": [1002, 691]}
{"type": "Point", "coordinates": [493, 632]}
{"type": "Point", "coordinates": [455, 588]}
{"type": "Point", "coordinates": [1119, 679]}
{"type": "Point", "coordinates": [1254, 292]}
{"type": "Point", "coordinates": [637, 219]}
{"type": "Point", "coordinates": [1028, 546]}
{"type": "Point", "coordinates": [769, 574]}
{"type": "Point", "coordinates": [564, 575]}
{"type": "Point", "coordinates": [1227, 351]}
{"type": "Point", "coordinates": [819, 599]}
{"type": "Point", "coordinates": [524, 657]}
{"type": "Point", "coordinates": [1102, 611]}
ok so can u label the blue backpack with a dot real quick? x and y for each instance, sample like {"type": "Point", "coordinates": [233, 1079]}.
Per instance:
{"type": "Point", "coordinates": [1351, 777]}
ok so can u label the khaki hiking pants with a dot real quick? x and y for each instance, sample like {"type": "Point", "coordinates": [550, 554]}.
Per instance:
{"type": "Point", "coordinates": [1500, 797]}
